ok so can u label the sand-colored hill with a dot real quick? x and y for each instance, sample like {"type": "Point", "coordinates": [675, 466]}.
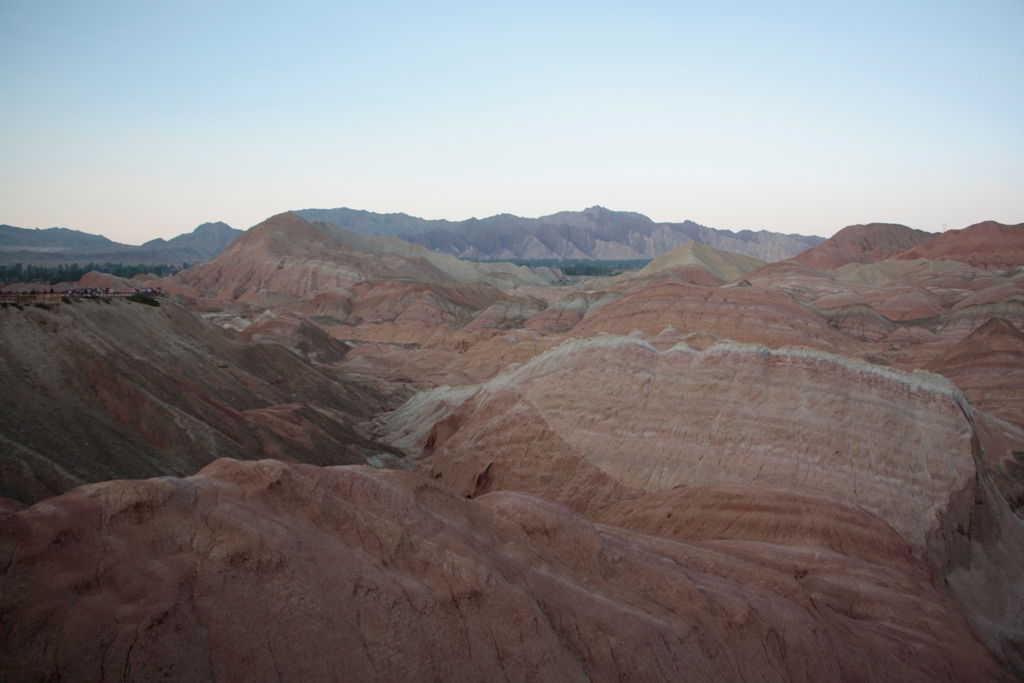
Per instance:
{"type": "Point", "coordinates": [721, 265]}
{"type": "Point", "coordinates": [933, 273]}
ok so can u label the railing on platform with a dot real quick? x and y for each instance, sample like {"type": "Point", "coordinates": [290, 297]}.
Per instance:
{"type": "Point", "coordinates": [56, 297]}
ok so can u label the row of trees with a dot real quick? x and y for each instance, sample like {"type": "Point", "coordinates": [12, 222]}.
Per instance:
{"type": "Point", "coordinates": [16, 272]}
{"type": "Point", "coordinates": [582, 267]}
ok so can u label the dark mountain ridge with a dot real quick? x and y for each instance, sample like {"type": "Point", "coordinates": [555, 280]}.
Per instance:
{"type": "Point", "coordinates": [11, 236]}
{"type": "Point", "coordinates": [56, 246]}
{"type": "Point", "coordinates": [596, 233]}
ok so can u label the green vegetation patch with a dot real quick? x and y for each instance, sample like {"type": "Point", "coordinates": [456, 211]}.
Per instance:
{"type": "Point", "coordinates": [72, 272]}
{"type": "Point", "coordinates": [326, 320]}
{"type": "Point", "coordinates": [143, 299]}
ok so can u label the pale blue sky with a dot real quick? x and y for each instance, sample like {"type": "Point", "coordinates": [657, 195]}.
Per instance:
{"type": "Point", "coordinates": [143, 119]}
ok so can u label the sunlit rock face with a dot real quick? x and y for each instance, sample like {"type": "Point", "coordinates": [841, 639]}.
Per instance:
{"type": "Point", "coordinates": [287, 259]}
{"type": "Point", "coordinates": [253, 571]}
{"type": "Point", "coordinates": [369, 289]}
{"type": "Point", "coordinates": [617, 409]}
{"type": "Point", "coordinates": [596, 424]}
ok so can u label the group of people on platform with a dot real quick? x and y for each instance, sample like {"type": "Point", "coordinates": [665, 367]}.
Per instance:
{"type": "Point", "coordinates": [86, 292]}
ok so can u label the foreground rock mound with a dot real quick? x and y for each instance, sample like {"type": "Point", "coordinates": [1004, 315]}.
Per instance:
{"type": "Point", "coordinates": [268, 571]}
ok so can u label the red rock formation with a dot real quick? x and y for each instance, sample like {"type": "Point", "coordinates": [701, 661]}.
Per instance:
{"type": "Point", "coordinates": [409, 311]}
{"type": "Point", "coordinates": [745, 314]}
{"type": "Point", "coordinates": [731, 414]}
{"type": "Point", "coordinates": [597, 424]}
{"type": "Point", "coordinates": [984, 245]}
{"type": "Point", "coordinates": [250, 571]}
{"type": "Point", "coordinates": [1003, 444]}
{"type": "Point", "coordinates": [285, 260]}
{"type": "Point", "coordinates": [750, 512]}
{"type": "Point", "coordinates": [988, 365]}
{"type": "Point", "coordinates": [909, 304]}
{"type": "Point", "coordinates": [863, 244]}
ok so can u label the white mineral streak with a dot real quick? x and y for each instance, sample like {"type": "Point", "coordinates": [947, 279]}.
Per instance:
{"type": "Point", "coordinates": [896, 444]}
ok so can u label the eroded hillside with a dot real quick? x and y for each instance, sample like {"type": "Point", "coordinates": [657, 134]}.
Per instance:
{"type": "Point", "coordinates": [711, 468]}
{"type": "Point", "coordinates": [97, 390]}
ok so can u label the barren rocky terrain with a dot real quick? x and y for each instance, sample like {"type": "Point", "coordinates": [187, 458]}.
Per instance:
{"type": "Point", "coordinates": [714, 468]}
{"type": "Point", "coordinates": [114, 389]}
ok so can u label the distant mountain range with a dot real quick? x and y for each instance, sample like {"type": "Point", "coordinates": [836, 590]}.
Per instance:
{"type": "Point", "coordinates": [596, 233]}
{"type": "Point", "coordinates": [55, 246]}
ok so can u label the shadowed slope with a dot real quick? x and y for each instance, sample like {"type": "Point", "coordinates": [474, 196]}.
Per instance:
{"type": "Point", "coordinates": [988, 365]}
{"type": "Point", "coordinates": [95, 391]}
{"type": "Point", "coordinates": [257, 571]}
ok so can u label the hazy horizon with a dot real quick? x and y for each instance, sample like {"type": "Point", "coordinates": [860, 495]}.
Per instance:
{"type": "Point", "coordinates": [454, 220]}
{"type": "Point", "coordinates": [139, 121]}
